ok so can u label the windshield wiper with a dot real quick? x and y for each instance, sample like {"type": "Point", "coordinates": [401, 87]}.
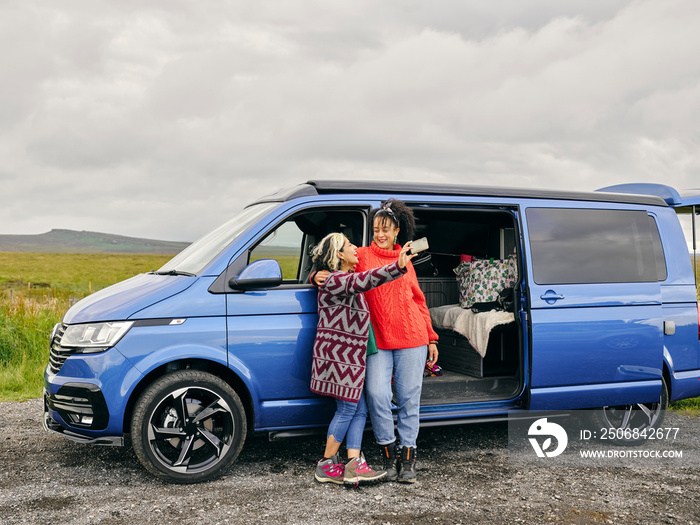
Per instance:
{"type": "Point", "coordinates": [173, 272]}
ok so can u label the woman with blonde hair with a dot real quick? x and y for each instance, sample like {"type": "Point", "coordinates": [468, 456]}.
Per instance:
{"type": "Point", "coordinates": [340, 352]}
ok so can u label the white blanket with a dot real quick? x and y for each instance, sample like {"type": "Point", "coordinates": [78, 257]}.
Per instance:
{"type": "Point", "coordinates": [475, 327]}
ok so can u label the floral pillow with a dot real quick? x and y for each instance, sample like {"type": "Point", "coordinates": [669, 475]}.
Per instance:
{"type": "Point", "coordinates": [480, 281]}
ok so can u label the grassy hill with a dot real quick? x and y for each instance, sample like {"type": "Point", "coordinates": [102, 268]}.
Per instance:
{"type": "Point", "coordinates": [70, 241]}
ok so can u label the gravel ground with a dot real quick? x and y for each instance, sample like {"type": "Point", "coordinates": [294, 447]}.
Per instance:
{"type": "Point", "coordinates": [465, 477]}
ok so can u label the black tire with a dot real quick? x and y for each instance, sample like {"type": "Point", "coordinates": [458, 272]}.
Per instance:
{"type": "Point", "coordinates": [188, 426]}
{"type": "Point", "coordinates": [631, 424]}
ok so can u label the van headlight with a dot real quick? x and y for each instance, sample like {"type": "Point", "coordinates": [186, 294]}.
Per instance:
{"type": "Point", "coordinates": [92, 338]}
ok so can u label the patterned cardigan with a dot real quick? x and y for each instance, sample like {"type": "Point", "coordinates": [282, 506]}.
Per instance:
{"type": "Point", "coordinates": [340, 348]}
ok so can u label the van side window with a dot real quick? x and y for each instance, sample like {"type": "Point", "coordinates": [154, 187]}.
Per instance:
{"type": "Point", "coordinates": [284, 245]}
{"type": "Point", "coordinates": [290, 242]}
{"type": "Point", "coordinates": [572, 246]}
{"type": "Point", "coordinates": [689, 217]}
{"type": "Point", "coordinates": [661, 270]}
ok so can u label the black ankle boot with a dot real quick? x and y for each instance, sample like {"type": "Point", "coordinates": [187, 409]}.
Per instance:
{"type": "Point", "coordinates": [390, 455]}
{"type": "Point", "coordinates": [408, 465]}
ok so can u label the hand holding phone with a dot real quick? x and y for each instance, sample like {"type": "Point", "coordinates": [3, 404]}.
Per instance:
{"type": "Point", "coordinates": [419, 245]}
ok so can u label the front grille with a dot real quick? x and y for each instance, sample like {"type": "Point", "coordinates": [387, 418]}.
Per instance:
{"type": "Point", "coordinates": [58, 353]}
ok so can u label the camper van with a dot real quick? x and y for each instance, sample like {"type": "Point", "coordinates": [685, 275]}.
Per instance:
{"type": "Point", "coordinates": [598, 310]}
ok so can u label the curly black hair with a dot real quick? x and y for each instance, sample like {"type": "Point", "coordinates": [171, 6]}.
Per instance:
{"type": "Point", "coordinates": [400, 215]}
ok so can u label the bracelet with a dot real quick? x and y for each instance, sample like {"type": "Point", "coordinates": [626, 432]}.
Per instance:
{"type": "Point", "coordinates": [433, 343]}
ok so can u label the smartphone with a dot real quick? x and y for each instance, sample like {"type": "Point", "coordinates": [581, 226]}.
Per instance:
{"type": "Point", "coordinates": [419, 245]}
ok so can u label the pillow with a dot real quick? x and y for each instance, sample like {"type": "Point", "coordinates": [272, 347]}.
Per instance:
{"type": "Point", "coordinates": [480, 281]}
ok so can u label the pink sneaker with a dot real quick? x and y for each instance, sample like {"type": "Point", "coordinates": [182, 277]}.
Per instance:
{"type": "Point", "coordinates": [330, 470]}
{"type": "Point", "coordinates": [358, 471]}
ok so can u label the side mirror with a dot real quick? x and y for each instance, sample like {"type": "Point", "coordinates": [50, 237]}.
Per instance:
{"type": "Point", "coordinates": [258, 275]}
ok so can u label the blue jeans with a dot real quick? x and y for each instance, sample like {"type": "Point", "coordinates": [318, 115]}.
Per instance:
{"type": "Point", "coordinates": [349, 421]}
{"type": "Point", "coordinates": [406, 365]}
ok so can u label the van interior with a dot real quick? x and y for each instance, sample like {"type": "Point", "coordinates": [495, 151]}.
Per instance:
{"type": "Point", "coordinates": [480, 346]}
{"type": "Point", "coordinates": [480, 353]}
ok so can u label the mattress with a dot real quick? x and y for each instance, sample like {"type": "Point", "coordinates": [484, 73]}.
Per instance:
{"type": "Point", "coordinates": [476, 327]}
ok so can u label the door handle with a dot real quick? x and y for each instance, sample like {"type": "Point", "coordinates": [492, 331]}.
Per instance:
{"type": "Point", "coordinates": [551, 297]}
{"type": "Point", "coordinates": [669, 328]}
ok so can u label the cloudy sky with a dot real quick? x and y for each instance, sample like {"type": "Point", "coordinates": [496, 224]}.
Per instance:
{"type": "Point", "coordinates": [162, 118]}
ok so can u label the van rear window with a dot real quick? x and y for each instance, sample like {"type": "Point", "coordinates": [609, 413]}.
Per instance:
{"type": "Point", "coordinates": [571, 246]}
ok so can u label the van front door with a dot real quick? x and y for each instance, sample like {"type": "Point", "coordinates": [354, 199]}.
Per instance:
{"type": "Point", "coordinates": [595, 307]}
{"type": "Point", "coordinates": [271, 331]}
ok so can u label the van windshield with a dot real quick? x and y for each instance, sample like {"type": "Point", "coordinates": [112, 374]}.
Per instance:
{"type": "Point", "coordinates": [199, 254]}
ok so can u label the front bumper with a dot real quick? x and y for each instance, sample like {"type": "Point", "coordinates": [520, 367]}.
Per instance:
{"type": "Point", "coordinates": [81, 406]}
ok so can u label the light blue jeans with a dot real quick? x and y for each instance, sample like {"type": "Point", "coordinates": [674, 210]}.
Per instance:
{"type": "Point", "coordinates": [406, 365]}
{"type": "Point", "coordinates": [349, 422]}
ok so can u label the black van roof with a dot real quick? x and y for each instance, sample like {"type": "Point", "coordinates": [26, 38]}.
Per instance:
{"type": "Point", "coordinates": [321, 187]}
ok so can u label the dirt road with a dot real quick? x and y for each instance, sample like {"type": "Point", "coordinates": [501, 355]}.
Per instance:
{"type": "Point", "coordinates": [465, 477]}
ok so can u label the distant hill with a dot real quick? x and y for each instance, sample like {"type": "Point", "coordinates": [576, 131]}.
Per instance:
{"type": "Point", "coordinates": [70, 241]}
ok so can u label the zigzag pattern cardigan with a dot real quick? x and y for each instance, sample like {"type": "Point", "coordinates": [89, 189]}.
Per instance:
{"type": "Point", "coordinates": [340, 348]}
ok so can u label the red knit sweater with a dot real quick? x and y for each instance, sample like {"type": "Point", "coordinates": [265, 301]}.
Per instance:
{"type": "Point", "coordinates": [400, 317]}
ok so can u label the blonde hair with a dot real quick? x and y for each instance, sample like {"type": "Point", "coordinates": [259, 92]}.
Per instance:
{"type": "Point", "coordinates": [325, 254]}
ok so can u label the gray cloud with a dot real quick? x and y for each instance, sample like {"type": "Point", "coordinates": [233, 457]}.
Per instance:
{"type": "Point", "coordinates": [160, 120]}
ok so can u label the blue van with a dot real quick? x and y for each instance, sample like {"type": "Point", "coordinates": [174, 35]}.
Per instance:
{"type": "Point", "coordinates": [188, 359]}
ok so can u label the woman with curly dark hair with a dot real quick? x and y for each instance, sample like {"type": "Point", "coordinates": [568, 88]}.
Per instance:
{"type": "Point", "coordinates": [405, 339]}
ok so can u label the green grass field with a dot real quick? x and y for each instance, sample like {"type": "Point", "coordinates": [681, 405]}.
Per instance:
{"type": "Point", "coordinates": [36, 290]}
{"type": "Point", "coordinates": [59, 274]}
